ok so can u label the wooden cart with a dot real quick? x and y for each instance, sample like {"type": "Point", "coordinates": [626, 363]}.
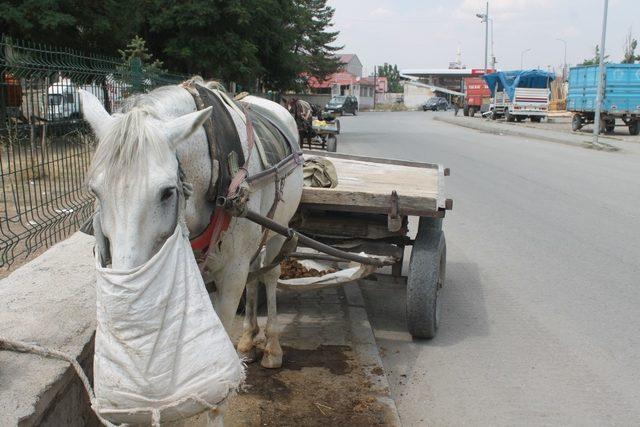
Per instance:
{"type": "Point", "coordinates": [368, 211]}
{"type": "Point", "coordinates": [324, 137]}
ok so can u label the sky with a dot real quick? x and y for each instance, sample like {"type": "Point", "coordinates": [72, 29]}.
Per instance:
{"type": "Point", "coordinates": [427, 33]}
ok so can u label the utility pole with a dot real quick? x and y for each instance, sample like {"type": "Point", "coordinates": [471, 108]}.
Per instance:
{"type": "Point", "coordinates": [375, 85]}
{"type": "Point", "coordinates": [486, 38]}
{"type": "Point", "coordinates": [493, 53]}
{"type": "Point", "coordinates": [485, 19]}
{"type": "Point", "coordinates": [596, 121]}
{"type": "Point", "coordinates": [564, 63]}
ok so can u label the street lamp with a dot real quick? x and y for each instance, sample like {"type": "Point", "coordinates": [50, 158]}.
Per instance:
{"type": "Point", "coordinates": [564, 64]}
{"type": "Point", "coordinates": [484, 18]}
{"type": "Point", "coordinates": [522, 57]}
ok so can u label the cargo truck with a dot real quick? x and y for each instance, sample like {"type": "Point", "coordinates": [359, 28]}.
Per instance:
{"type": "Point", "coordinates": [517, 95]}
{"type": "Point", "coordinates": [476, 93]}
{"type": "Point", "coordinates": [621, 100]}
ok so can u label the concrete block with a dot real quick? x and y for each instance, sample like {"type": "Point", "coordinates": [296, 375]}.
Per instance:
{"type": "Point", "coordinates": [49, 301]}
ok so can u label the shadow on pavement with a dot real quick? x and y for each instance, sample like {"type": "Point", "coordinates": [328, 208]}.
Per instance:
{"type": "Point", "coordinates": [463, 314]}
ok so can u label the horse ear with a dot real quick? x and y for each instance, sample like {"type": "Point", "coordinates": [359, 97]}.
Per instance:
{"type": "Point", "coordinates": [181, 128]}
{"type": "Point", "coordinates": [94, 113]}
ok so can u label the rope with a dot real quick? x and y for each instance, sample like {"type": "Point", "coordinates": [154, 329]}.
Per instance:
{"type": "Point", "coordinates": [23, 347]}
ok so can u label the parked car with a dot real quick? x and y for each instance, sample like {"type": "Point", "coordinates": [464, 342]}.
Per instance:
{"type": "Point", "coordinates": [435, 103]}
{"type": "Point", "coordinates": [342, 104]}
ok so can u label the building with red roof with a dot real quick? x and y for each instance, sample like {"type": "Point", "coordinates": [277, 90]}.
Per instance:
{"type": "Point", "coordinates": [349, 81]}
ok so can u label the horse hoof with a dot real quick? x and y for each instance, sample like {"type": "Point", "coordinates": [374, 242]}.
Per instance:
{"type": "Point", "coordinates": [248, 356]}
{"type": "Point", "coordinates": [271, 361]}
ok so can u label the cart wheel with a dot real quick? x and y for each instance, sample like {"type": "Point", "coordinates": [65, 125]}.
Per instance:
{"type": "Point", "coordinates": [610, 125]}
{"type": "Point", "coordinates": [634, 127]}
{"type": "Point", "coordinates": [425, 279]}
{"type": "Point", "coordinates": [508, 116]}
{"type": "Point", "coordinates": [576, 122]}
{"type": "Point", "coordinates": [332, 144]}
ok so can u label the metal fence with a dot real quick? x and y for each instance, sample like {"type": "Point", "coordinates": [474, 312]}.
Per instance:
{"type": "Point", "coordinates": [45, 146]}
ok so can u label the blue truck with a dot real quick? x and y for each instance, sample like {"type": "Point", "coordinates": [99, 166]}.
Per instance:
{"type": "Point", "coordinates": [621, 100]}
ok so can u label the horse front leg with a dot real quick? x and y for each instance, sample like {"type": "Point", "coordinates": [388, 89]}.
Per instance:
{"type": "Point", "coordinates": [233, 268]}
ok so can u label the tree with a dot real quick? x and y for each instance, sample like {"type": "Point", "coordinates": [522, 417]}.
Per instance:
{"type": "Point", "coordinates": [137, 49]}
{"type": "Point", "coordinates": [630, 45]}
{"type": "Point", "coordinates": [393, 76]}
{"type": "Point", "coordinates": [314, 40]}
{"type": "Point", "coordinates": [89, 25]}
{"type": "Point", "coordinates": [258, 43]}
{"type": "Point", "coordinates": [596, 59]}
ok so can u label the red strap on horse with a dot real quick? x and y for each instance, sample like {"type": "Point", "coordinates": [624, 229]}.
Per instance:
{"type": "Point", "coordinates": [221, 219]}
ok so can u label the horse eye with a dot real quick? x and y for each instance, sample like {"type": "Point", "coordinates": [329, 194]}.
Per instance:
{"type": "Point", "coordinates": [167, 193]}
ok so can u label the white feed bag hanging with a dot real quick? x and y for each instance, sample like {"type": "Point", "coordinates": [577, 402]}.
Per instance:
{"type": "Point", "coordinates": [159, 343]}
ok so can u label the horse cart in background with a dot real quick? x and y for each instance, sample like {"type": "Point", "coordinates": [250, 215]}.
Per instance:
{"type": "Point", "coordinates": [368, 212]}
{"type": "Point", "coordinates": [621, 97]}
{"type": "Point", "coordinates": [324, 135]}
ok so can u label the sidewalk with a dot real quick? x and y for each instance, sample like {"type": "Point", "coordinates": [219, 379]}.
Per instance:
{"type": "Point", "coordinates": [332, 373]}
{"type": "Point", "coordinates": [542, 132]}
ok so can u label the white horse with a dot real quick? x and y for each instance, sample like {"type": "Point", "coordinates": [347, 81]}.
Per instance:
{"type": "Point", "coordinates": [135, 178]}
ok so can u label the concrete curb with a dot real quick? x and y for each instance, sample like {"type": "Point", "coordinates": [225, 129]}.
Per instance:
{"type": "Point", "coordinates": [500, 131]}
{"type": "Point", "coordinates": [366, 350]}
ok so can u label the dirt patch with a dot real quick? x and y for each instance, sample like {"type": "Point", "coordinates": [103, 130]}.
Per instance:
{"type": "Point", "coordinates": [325, 386]}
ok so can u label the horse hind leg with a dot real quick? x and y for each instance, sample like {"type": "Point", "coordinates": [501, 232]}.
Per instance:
{"type": "Point", "coordinates": [246, 347]}
{"type": "Point", "coordinates": [272, 356]}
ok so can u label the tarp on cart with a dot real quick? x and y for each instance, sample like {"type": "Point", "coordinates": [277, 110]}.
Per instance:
{"type": "Point", "coordinates": [509, 80]}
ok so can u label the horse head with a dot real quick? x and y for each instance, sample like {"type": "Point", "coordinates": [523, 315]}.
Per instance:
{"type": "Point", "coordinates": [135, 177]}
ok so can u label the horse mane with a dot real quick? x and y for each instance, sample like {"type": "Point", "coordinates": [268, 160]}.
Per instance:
{"type": "Point", "coordinates": [125, 150]}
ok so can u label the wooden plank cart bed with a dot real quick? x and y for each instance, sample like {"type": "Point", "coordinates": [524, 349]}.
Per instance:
{"type": "Point", "coordinates": [368, 212]}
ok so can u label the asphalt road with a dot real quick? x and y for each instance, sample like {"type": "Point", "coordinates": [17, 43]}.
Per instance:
{"type": "Point", "coordinates": [541, 307]}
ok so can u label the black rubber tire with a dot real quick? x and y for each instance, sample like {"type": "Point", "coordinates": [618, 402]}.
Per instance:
{"type": "Point", "coordinates": [466, 111]}
{"type": "Point", "coordinates": [508, 116]}
{"type": "Point", "coordinates": [472, 112]}
{"type": "Point", "coordinates": [576, 122]}
{"type": "Point", "coordinates": [609, 127]}
{"type": "Point", "coordinates": [634, 127]}
{"type": "Point", "coordinates": [332, 144]}
{"type": "Point", "coordinates": [535, 119]}
{"type": "Point", "coordinates": [519, 119]}
{"type": "Point", "coordinates": [426, 277]}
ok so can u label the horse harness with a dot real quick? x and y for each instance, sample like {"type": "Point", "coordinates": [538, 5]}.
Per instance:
{"type": "Point", "coordinates": [230, 191]}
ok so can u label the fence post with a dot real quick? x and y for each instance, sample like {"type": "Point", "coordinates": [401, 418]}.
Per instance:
{"type": "Point", "coordinates": [136, 74]}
